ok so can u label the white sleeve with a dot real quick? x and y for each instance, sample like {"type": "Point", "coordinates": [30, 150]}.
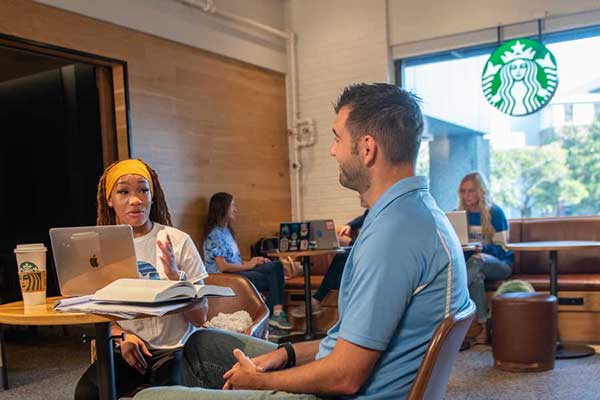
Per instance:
{"type": "Point", "coordinates": [189, 260]}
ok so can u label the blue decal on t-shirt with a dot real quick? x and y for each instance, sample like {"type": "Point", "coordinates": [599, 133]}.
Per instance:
{"type": "Point", "coordinates": [147, 271]}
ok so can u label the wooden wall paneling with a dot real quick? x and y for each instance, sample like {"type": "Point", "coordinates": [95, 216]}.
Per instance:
{"type": "Point", "coordinates": [107, 116]}
{"type": "Point", "coordinates": [206, 123]}
{"type": "Point", "coordinates": [120, 107]}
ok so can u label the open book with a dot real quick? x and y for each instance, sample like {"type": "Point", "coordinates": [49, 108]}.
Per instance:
{"type": "Point", "coordinates": [156, 291]}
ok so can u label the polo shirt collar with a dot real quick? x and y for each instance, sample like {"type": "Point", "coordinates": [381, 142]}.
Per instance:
{"type": "Point", "coordinates": [398, 189]}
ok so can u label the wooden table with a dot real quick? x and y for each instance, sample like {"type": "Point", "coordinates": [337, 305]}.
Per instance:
{"type": "Point", "coordinates": [306, 255]}
{"type": "Point", "coordinates": [16, 314]}
{"type": "Point", "coordinates": [553, 247]}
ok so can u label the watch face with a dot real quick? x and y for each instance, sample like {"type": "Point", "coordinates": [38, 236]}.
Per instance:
{"type": "Point", "coordinates": [182, 276]}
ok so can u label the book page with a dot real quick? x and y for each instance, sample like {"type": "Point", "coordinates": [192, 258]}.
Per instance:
{"type": "Point", "coordinates": [210, 290]}
{"type": "Point", "coordinates": [144, 291]}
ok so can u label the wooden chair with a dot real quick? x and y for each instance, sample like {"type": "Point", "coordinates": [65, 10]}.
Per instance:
{"type": "Point", "coordinates": [247, 298]}
{"type": "Point", "coordinates": [434, 372]}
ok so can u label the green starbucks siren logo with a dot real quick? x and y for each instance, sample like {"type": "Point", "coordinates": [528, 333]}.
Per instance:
{"type": "Point", "coordinates": [520, 77]}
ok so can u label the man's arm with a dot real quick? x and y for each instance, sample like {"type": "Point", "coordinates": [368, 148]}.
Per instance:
{"type": "Point", "coordinates": [305, 352]}
{"type": "Point", "coordinates": [344, 371]}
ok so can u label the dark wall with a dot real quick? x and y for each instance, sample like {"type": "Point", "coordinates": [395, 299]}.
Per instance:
{"type": "Point", "coordinates": [50, 161]}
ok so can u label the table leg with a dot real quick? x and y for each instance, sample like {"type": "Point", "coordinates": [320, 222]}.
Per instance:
{"type": "Point", "coordinates": [309, 333]}
{"type": "Point", "coordinates": [554, 273]}
{"type": "Point", "coordinates": [307, 301]}
{"type": "Point", "coordinates": [104, 363]}
{"type": "Point", "coordinates": [564, 350]}
{"type": "Point", "coordinates": [3, 367]}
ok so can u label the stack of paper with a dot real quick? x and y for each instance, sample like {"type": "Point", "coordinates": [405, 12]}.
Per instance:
{"type": "Point", "coordinates": [84, 304]}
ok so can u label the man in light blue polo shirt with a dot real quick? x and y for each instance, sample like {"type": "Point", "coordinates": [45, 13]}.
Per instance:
{"type": "Point", "coordinates": [404, 275]}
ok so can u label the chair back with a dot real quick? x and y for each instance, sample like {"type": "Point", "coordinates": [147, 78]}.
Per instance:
{"type": "Point", "coordinates": [434, 372]}
{"type": "Point", "coordinates": [247, 298]}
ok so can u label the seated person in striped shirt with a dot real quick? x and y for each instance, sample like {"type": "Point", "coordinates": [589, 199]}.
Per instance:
{"type": "Point", "coordinates": [491, 260]}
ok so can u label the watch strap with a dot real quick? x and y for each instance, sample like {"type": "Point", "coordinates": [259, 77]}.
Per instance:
{"type": "Point", "coordinates": [291, 354]}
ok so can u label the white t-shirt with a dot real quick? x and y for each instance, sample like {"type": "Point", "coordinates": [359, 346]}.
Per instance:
{"type": "Point", "coordinates": [170, 331]}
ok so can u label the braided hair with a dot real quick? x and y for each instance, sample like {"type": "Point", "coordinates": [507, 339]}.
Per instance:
{"type": "Point", "coordinates": [159, 211]}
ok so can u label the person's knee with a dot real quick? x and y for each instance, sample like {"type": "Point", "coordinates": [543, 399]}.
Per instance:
{"type": "Point", "coordinates": [198, 340]}
{"type": "Point", "coordinates": [474, 270]}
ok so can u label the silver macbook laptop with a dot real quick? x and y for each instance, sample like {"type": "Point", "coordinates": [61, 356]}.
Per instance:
{"type": "Point", "coordinates": [323, 234]}
{"type": "Point", "coordinates": [87, 258]}
{"type": "Point", "coordinates": [458, 219]}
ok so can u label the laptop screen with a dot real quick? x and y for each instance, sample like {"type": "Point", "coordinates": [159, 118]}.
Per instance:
{"type": "Point", "coordinates": [294, 236]}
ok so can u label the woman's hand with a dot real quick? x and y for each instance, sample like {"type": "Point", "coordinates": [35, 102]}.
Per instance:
{"type": "Point", "coordinates": [254, 261]}
{"type": "Point", "coordinates": [133, 350]}
{"type": "Point", "coordinates": [168, 259]}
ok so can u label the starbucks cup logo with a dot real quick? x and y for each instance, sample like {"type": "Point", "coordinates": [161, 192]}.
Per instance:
{"type": "Point", "coordinates": [28, 266]}
{"type": "Point", "coordinates": [31, 278]}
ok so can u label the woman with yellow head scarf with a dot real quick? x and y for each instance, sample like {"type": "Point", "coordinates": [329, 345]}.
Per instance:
{"type": "Point", "coordinates": [130, 193]}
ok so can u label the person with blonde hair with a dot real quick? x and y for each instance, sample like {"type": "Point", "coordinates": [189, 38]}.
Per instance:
{"type": "Point", "coordinates": [488, 225]}
{"type": "Point", "coordinates": [130, 193]}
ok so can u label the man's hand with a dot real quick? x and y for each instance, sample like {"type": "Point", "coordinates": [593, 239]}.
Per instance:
{"type": "Point", "coordinates": [244, 374]}
{"type": "Point", "coordinates": [133, 350]}
{"type": "Point", "coordinates": [168, 259]}
{"type": "Point", "coordinates": [345, 231]}
{"type": "Point", "coordinates": [271, 361]}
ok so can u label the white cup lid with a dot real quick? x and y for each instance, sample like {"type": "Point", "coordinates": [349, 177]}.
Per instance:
{"type": "Point", "coordinates": [29, 248]}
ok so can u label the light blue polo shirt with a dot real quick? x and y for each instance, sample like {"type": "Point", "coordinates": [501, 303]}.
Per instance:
{"type": "Point", "coordinates": [405, 273]}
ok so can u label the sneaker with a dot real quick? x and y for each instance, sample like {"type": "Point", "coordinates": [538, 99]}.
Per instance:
{"type": "Point", "coordinates": [300, 311]}
{"type": "Point", "coordinates": [280, 321]}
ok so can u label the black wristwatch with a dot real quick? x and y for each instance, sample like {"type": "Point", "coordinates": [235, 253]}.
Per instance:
{"type": "Point", "coordinates": [291, 354]}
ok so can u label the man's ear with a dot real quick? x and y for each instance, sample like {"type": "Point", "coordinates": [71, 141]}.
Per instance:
{"type": "Point", "coordinates": [368, 150]}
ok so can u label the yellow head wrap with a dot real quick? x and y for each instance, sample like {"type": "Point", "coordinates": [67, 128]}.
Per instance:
{"type": "Point", "coordinates": [126, 167]}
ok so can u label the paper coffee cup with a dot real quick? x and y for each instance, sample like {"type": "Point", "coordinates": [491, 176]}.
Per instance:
{"type": "Point", "coordinates": [31, 262]}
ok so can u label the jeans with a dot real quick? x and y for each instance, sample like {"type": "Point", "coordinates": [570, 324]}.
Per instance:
{"type": "Point", "coordinates": [482, 267]}
{"type": "Point", "coordinates": [332, 277]}
{"type": "Point", "coordinates": [163, 370]}
{"type": "Point", "coordinates": [207, 355]}
{"type": "Point", "coordinates": [269, 277]}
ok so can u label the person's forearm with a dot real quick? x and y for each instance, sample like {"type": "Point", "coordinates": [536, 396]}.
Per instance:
{"type": "Point", "coordinates": [115, 329]}
{"type": "Point", "coordinates": [197, 315]}
{"type": "Point", "coordinates": [306, 351]}
{"type": "Point", "coordinates": [228, 267]}
{"type": "Point", "coordinates": [320, 377]}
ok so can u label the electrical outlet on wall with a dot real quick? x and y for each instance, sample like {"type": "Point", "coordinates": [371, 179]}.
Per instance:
{"type": "Point", "coordinates": [306, 132]}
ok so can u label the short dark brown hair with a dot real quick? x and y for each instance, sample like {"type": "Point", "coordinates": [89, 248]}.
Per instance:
{"type": "Point", "coordinates": [390, 114]}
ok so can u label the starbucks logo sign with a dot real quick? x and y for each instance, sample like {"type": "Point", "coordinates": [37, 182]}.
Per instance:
{"type": "Point", "coordinates": [520, 77]}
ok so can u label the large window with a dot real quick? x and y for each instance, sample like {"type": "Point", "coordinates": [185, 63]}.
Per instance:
{"type": "Point", "coordinates": [542, 164]}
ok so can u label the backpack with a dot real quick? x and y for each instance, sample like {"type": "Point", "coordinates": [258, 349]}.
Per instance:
{"type": "Point", "coordinates": [264, 246]}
